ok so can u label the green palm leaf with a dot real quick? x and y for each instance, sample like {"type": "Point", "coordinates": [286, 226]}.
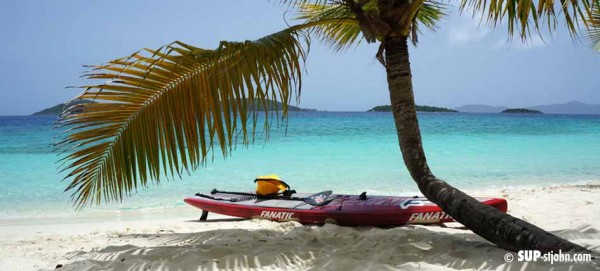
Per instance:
{"type": "Point", "coordinates": [336, 23]}
{"type": "Point", "coordinates": [522, 16]}
{"type": "Point", "coordinates": [162, 111]}
{"type": "Point", "coordinates": [594, 30]}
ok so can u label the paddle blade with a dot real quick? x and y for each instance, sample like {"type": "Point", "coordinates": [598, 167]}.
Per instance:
{"type": "Point", "coordinates": [318, 199]}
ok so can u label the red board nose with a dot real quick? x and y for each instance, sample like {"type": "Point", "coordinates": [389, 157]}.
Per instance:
{"type": "Point", "coordinates": [499, 204]}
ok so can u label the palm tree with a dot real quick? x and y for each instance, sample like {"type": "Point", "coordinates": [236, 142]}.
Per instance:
{"type": "Point", "coordinates": [163, 111]}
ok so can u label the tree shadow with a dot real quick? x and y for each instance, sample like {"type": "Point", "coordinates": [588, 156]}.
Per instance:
{"type": "Point", "coordinates": [289, 245]}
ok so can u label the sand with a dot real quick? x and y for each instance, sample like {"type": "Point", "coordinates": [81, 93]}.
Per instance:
{"type": "Point", "coordinates": [183, 243]}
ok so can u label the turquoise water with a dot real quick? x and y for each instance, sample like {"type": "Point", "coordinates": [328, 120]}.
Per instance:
{"type": "Point", "coordinates": [345, 152]}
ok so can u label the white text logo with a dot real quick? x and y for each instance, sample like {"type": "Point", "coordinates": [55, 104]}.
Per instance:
{"type": "Point", "coordinates": [276, 215]}
{"type": "Point", "coordinates": [428, 217]}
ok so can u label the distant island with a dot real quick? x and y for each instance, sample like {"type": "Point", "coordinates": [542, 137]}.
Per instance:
{"type": "Point", "coordinates": [480, 108]}
{"type": "Point", "coordinates": [419, 108]}
{"type": "Point", "coordinates": [572, 107]}
{"type": "Point", "coordinates": [521, 111]}
{"type": "Point", "coordinates": [272, 105]}
{"type": "Point", "coordinates": [57, 109]}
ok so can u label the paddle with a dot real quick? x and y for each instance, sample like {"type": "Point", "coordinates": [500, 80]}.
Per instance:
{"type": "Point", "coordinates": [317, 199]}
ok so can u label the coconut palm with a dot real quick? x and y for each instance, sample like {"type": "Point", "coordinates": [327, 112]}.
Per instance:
{"type": "Point", "coordinates": [164, 111]}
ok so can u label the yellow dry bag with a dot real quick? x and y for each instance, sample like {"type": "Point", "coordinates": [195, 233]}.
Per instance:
{"type": "Point", "coordinates": [270, 185]}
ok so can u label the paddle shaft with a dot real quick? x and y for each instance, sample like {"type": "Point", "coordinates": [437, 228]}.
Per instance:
{"type": "Point", "coordinates": [312, 199]}
{"type": "Point", "coordinates": [214, 191]}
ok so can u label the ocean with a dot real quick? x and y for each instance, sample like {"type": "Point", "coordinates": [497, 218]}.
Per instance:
{"type": "Point", "coordinates": [347, 152]}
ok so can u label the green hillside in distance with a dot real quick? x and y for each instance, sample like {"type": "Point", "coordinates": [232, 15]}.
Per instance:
{"type": "Point", "coordinates": [522, 111]}
{"type": "Point", "coordinates": [419, 108]}
{"type": "Point", "coordinates": [272, 105]}
{"type": "Point", "coordinates": [57, 109]}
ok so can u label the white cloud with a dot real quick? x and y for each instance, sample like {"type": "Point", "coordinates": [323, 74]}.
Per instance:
{"type": "Point", "coordinates": [472, 31]}
{"type": "Point", "coordinates": [467, 31]}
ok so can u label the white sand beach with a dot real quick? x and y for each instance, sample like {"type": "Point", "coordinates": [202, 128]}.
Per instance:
{"type": "Point", "coordinates": [183, 243]}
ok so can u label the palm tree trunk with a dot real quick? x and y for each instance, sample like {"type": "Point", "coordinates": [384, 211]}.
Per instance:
{"type": "Point", "coordinates": [502, 229]}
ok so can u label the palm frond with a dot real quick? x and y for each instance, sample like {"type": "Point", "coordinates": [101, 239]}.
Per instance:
{"type": "Point", "coordinates": [162, 111]}
{"type": "Point", "coordinates": [594, 30]}
{"type": "Point", "coordinates": [430, 13]}
{"type": "Point", "coordinates": [337, 25]}
{"type": "Point", "coordinates": [333, 24]}
{"type": "Point", "coordinates": [523, 16]}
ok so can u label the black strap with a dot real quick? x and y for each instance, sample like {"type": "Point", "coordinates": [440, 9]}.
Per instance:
{"type": "Point", "coordinates": [288, 193]}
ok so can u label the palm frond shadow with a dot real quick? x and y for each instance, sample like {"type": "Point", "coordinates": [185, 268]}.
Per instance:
{"type": "Point", "coordinates": [290, 246]}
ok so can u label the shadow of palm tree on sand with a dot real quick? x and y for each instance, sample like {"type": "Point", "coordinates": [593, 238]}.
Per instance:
{"type": "Point", "coordinates": [291, 246]}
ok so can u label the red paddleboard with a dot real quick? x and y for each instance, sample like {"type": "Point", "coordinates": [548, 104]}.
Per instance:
{"type": "Point", "coordinates": [347, 210]}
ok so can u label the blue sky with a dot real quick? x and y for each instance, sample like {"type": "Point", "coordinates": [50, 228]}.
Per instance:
{"type": "Point", "coordinates": [45, 43]}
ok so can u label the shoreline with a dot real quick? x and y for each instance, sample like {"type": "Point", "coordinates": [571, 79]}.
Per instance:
{"type": "Point", "coordinates": [185, 211]}
{"type": "Point", "coordinates": [181, 242]}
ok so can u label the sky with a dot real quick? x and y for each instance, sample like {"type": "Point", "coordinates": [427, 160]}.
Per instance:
{"type": "Point", "coordinates": [44, 45]}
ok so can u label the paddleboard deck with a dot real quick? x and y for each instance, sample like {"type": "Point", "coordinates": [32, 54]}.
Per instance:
{"type": "Point", "coordinates": [347, 210]}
